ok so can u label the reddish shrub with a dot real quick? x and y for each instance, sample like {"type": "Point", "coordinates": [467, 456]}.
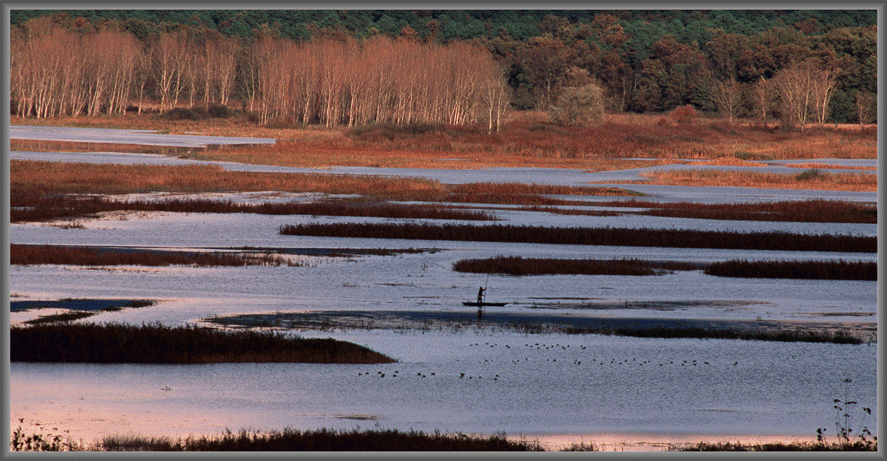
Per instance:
{"type": "Point", "coordinates": [683, 115]}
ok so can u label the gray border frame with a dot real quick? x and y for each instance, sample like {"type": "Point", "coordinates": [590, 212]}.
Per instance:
{"type": "Point", "coordinates": [6, 6]}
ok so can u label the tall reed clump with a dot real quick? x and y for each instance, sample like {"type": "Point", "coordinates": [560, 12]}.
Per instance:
{"type": "Point", "coordinates": [119, 343]}
{"type": "Point", "coordinates": [673, 238]}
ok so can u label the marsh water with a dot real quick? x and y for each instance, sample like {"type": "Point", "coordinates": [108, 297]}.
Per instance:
{"type": "Point", "coordinates": [477, 378]}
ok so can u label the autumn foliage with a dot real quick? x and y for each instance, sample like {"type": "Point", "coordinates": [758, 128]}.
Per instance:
{"type": "Point", "coordinates": [346, 82]}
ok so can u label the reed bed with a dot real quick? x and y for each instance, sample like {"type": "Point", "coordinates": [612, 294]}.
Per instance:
{"type": "Point", "coordinates": [809, 179]}
{"type": "Point", "coordinates": [526, 140]}
{"type": "Point", "coordinates": [856, 445]}
{"type": "Point", "coordinates": [816, 210]}
{"type": "Point", "coordinates": [672, 238]}
{"type": "Point", "coordinates": [61, 317]}
{"type": "Point", "coordinates": [536, 189]}
{"type": "Point", "coordinates": [828, 166]}
{"type": "Point", "coordinates": [39, 179]}
{"type": "Point", "coordinates": [118, 343]}
{"type": "Point", "coordinates": [518, 266]}
{"type": "Point", "coordinates": [454, 322]}
{"type": "Point", "coordinates": [323, 440]}
{"type": "Point", "coordinates": [41, 208]}
{"type": "Point", "coordinates": [85, 256]}
{"type": "Point", "coordinates": [811, 270]}
{"type": "Point", "coordinates": [744, 334]}
{"type": "Point", "coordinates": [526, 194]}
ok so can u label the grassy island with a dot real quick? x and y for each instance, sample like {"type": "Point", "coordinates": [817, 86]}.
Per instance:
{"type": "Point", "coordinates": [118, 343]}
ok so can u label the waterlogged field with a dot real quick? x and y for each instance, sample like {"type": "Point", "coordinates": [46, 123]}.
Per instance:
{"type": "Point", "coordinates": [506, 369]}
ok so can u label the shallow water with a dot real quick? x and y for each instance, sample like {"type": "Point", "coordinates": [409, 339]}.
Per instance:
{"type": "Point", "coordinates": [622, 385]}
{"type": "Point", "coordinates": [523, 385]}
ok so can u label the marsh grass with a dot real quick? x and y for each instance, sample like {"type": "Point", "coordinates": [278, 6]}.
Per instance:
{"type": "Point", "coordinates": [73, 206]}
{"type": "Point", "coordinates": [61, 317]}
{"type": "Point", "coordinates": [745, 334]}
{"type": "Point", "coordinates": [809, 179]}
{"type": "Point", "coordinates": [119, 343]}
{"type": "Point", "coordinates": [779, 446]}
{"type": "Point", "coordinates": [33, 180]}
{"type": "Point", "coordinates": [827, 166]}
{"type": "Point", "coordinates": [672, 238]}
{"type": "Point", "coordinates": [526, 194]}
{"type": "Point", "coordinates": [518, 266]}
{"type": "Point", "coordinates": [324, 440]}
{"type": "Point", "coordinates": [85, 256]}
{"type": "Point", "coordinates": [494, 322]}
{"type": "Point", "coordinates": [526, 140]}
{"type": "Point", "coordinates": [816, 210]}
{"type": "Point", "coordinates": [319, 440]}
{"type": "Point", "coordinates": [811, 270]}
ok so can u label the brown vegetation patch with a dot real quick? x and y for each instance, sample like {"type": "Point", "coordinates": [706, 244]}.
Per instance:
{"type": "Point", "coordinates": [816, 210]}
{"type": "Point", "coordinates": [39, 145]}
{"type": "Point", "coordinates": [118, 343]}
{"type": "Point", "coordinates": [811, 270]}
{"type": "Point", "coordinates": [72, 206]}
{"type": "Point", "coordinates": [524, 141]}
{"type": "Point", "coordinates": [518, 266]}
{"type": "Point", "coordinates": [84, 256]}
{"type": "Point", "coordinates": [728, 161]}
{"type": "Point", "coordinates": [45, 178]}
{"type": "Point", "coordinates": [673, 238]}
{"type": "Point", "coordinates": [822, 181]}
{"type": "Point", "coordinates": [828, 166]}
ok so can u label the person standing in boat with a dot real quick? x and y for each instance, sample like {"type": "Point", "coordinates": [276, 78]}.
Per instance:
{"type": "Point", "coordinates": [480, 295]}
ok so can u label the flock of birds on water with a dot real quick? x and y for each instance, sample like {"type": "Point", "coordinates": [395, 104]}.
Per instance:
{"type": "Point", "coordinates": [541, 347]}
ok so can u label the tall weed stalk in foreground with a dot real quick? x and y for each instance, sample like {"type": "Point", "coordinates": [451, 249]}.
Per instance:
{"type": "Point", "coordinates": [846, 436]}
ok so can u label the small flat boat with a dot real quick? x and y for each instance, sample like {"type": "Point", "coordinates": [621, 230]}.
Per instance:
{"type": "Point", "coordinates": [482, 304]}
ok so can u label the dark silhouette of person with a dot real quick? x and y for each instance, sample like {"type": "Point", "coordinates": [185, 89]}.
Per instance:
{"type": "Point", "coordinates": [480, 295]}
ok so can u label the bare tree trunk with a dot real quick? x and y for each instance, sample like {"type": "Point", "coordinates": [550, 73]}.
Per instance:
{"type": "Point", "coordinates": [823, 87]}
{"type": "Point", "coordinates": [727, 97]}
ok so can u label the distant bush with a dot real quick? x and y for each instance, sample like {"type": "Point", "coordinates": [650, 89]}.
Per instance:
{"type": "Point", "coordinates": [180, 113]}
{"type": "Point", "coordinates": [683, 115]}
{"type": "Point", "coordinates": [219, 111]}
{"type": "Point", "coordinates": [392, 131]}
{"type": "Point", "coordinates": [808, 175]}
{"type": "Point", "coordinates": [579, 106]}
{"type": "Point", "coordinates": [741, 155]}
{"type": "Point", "coordinates": [280, 122]}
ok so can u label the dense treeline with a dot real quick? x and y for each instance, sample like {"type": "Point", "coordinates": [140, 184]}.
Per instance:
{"type": "Point", "coordinates": [821, 66]}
